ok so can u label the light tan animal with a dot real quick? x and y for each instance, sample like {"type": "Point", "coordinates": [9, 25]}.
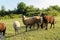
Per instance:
{"type": "Point", "coordinates": [16, 26]}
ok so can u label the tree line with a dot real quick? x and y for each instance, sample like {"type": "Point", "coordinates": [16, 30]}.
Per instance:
{"type": "Point", "coordinates": [22, 8]}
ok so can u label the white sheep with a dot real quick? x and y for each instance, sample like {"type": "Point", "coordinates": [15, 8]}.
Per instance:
{"type": "Point", "coordinates": [16, 26]}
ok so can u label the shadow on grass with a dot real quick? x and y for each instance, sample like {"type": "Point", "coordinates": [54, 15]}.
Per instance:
{"type": "Point", "coordinates": [9, 35]}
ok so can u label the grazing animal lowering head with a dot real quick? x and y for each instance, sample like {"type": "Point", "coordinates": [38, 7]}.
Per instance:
{"type": "Point", "coordinates": [16, 26]}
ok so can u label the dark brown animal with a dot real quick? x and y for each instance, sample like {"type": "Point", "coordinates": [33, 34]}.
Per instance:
{"type": "Point", "coordinates": [2, 28]}
{"type": "Point", "coordinates": [48, 19]}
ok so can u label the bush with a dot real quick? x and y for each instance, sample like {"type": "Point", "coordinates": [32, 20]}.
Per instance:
{"type": "Point", "coordinates": [15, 15]}
{"type": "Point", "coordinates": [6, 17]}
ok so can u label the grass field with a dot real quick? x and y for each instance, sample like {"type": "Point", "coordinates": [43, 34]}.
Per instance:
{"type": "Point", "coordinates": [41, 34]}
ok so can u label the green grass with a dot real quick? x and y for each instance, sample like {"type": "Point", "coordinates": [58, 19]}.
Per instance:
{"type": "Point", "coordinates": [41, 34]}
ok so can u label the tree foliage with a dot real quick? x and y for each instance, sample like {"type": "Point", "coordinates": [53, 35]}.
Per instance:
{"type": "Point", "coordinates": [22, 8]}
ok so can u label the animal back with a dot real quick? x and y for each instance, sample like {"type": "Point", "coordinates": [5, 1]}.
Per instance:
{"type": "Point", "coordinates": [17, 24]}
{"type": "Point", "coordinates": [2, 26]}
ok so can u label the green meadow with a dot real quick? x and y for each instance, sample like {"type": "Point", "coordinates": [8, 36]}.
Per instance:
{"type": "Point", "coordinates": [41, 34]}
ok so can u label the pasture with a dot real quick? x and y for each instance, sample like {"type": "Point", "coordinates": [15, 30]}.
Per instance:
{"type": "Point", "coordinates": [41, 34]}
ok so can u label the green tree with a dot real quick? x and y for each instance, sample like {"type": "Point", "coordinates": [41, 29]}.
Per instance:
{"type": "Point", "coordinates": [53, 10]}
{"type": "Point", "coordinates": [31, 10]}
{"type": "Point", "coordinates": [2, 12]}
{"type": "Point", "coordinates": [21, 7]}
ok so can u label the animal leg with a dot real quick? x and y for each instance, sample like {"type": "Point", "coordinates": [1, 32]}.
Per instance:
{"type": "Point", "coordinates": [16, 31]}
{"type": "Point", "coordinates": [46, 26]}
{"type": "Point", "coordinates": [42, 26]}
{"type": "Point", "coordinates": [37, 25]}
{"type": "Point", "coordinates": [26, 27]}
{"type": "Point", "coordinates": [51, 26]}
{"type": "Point", "coordinates": [4, 32]}
{"type": "Point", "coordinates": [30, 27]}
{"type": "Point", "coordinates": [33, 26]}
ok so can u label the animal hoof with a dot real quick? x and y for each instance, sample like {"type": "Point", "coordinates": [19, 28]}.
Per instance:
{"type": "Point", "coordinates": [46, 29]}
{"type": "Point", "coordinates": [25, 31]}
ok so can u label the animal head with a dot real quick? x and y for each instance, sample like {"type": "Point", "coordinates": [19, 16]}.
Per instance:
{"type": "Point", "coordinates": [23, 16]}
{"type": "Point", "coordinates": [43, 14]}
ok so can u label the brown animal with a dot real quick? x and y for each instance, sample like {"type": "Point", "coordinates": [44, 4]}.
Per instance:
{"type": "Point", "coordinates": [48, 19]}
{"type": "Point", "coordinates": [28, 21]}
{"type": "Point", "coordinates": [2, 28]}
{"type": "Point", "coordinates": [38, 21]}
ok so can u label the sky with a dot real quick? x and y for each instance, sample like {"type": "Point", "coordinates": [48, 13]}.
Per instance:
{"type": "Point", "coordinates": [11, 4]}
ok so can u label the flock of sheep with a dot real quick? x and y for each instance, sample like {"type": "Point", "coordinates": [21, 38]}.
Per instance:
{"type": "Point", "coordinates": [40, 21]}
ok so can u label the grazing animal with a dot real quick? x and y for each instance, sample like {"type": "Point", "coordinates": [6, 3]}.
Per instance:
{"type": "Point", "coordinates": [28, 21]}
{"type": "Point", "coordinates": [2, 28]}
{"type": "Point", "coordinates": [48, 19]}
{"type": "Point", "coordinates": [16, 26]}
{"type": "Point", "coordinates": [38, 20]}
